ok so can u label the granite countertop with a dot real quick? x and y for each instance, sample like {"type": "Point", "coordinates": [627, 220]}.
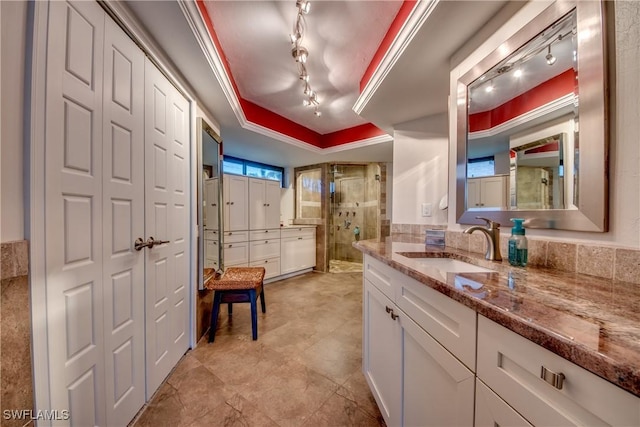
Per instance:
{"type": "Point", "coordinates": [593, 322]}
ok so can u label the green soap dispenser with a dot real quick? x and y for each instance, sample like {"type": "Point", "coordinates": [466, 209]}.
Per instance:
{"type": "Point", "coordinates": [518, 244]}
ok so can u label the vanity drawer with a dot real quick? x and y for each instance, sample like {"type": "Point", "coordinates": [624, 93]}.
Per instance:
{"type": "Point", "coordinates": [273, 233]}
{"type": "Point", "coordinates": [380, 275]}
{"type": "Point", "coordinates": [511, 366]}
{"type": "Point", "coordinates": [298, 232]}
{"type": "Point", "coordinates": [211, 249]}
{"type": "Point", "coordinates": [210, 235]}
{"type": "Point", "coordinates": [235, 236]}
{"type": "Point", "coordinates": [236, 253]}
{"type": "Point", "coordinates": [271, 266]}
{"type": "Point", "coordinates": [263, 249]}
{"type": "Point", "coordinates": [452, 324]}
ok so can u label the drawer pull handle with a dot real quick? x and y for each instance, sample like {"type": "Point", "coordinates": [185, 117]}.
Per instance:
{"type": "Point", "coordinates": [555, 379]}
{"type": "Point", "coordinates": [390, 311]}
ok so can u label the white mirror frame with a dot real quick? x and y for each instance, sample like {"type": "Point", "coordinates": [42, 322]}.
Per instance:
{"type": "Point", "coordinates": [593, 207]}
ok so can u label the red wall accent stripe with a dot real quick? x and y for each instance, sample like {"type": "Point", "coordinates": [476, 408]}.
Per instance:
{"type": "Point", "coordinates": [385, 44]}
{"type": "Point", "coordinates": [356, 133]}
{"type": "Point", "coordinates": [270, 120]}
{"type": "Point", "coordinates": [540, 95]}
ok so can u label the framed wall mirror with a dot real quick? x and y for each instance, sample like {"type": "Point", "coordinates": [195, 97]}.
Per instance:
{"type": "Point", "coordinates": [532, 125]}
{"type": "Point", "coordinates": [209, 197]}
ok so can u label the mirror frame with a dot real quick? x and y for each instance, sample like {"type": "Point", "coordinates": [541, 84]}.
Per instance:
{"type": "Point", "coordinates": [203, 126]}
{"type": "Point", "coordinates": [593, 184]}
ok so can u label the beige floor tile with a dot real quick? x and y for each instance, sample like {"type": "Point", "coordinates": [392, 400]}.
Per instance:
{"type": "Point", "coordinates": [339, 411]}
{"type": "Point", "coordinates": [304, 369]}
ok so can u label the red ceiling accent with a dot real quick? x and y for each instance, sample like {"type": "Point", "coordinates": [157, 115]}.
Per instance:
{"type": "Point", "coordinates": [385, 44]}
{"type": "Point", "coordinates": [268, 119]}
{"type": "Point", "coordinates": [540, 95]}
{"type": "Point", "coordinates": [356, 133]}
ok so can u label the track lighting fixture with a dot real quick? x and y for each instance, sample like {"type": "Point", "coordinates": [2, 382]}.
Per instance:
{"type": "Point", "coordinates": [550, 58]}
{"type": "Point", "coordinates": [301, 54]}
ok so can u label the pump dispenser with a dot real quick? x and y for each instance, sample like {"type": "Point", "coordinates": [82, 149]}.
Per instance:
{"type": "Point", "coordinates": [518, 244]}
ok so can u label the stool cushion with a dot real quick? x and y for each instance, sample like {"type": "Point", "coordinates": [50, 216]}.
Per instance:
{"type": "Point", "coordinates": [238, 278]}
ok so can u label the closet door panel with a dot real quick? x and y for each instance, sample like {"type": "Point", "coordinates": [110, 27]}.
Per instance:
{"type": "Point", "coordinates": [123, 199]}
{"type": "Point", "coordinates": [167, 219]}
{"type": "Point", "coordinates": [73, 201]}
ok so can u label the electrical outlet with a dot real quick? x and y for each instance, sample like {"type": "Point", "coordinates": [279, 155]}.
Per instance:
{"type": "Point", "coordinates": [426, 209]}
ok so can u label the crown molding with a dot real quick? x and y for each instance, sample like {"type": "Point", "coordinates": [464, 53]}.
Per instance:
{"type": "Point", "coordinates": [358, 144]}
{"type": "Point", "coordinates": [199, 28]}
{"type": "Point", "coordinates": [410, 27]}
{"type": "Point", "coordinates": [263, 130]}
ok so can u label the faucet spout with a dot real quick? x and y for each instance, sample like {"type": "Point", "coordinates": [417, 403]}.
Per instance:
{"type": "Point", "coordinates": [492, 234]}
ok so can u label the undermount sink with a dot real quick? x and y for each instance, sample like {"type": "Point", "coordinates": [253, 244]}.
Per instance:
{"type": "Point", "coordinates": [449, 265]}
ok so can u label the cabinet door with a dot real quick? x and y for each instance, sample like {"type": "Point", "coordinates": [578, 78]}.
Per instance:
{"type": "Point", "coordinates": [288, 257]}
{"type": "Point", "coordinates": [473, 193]}
{"type": "Point", "coordinates": [306, 252]}
{"type": "Point", "coordinates": [493, 191]}
{"type": "Point", "coordinates": [438, 390]}
{"type": "Point", "coordinates": [236, 194]}
{"type": "Point", "coordinates": [382, 358]}
{"type": "Point", "coordinates": [257, 204]}
{"type": "Point", "coordinates": [272, 200]}
{"type": "Point", "coordinates": [492, 411]}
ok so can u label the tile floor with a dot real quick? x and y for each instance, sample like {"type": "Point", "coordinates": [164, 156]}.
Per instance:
{"type": "Point", "coordinates": [340, 266]}
{"type": "Point", "coordinates": [304, 369]}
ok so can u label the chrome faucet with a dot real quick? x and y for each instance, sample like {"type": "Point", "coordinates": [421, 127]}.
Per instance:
{"type": "Point", "coordinates": [492, 233]}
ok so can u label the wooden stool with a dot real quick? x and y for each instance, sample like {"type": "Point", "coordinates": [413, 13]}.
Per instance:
{"type": "Point", "coordinates": [238, 284]}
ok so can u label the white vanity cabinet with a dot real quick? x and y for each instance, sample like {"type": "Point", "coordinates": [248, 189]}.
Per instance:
{"type": "Point", "coordinates": [264, 204]}
{"type": "Point", "coordinates": [235, 245]}
{"type": "Point", "coordinates": [414, 379]}
{"type": "Point", "coordinates": [298, 249]}
{"type": "Point", "coordinates": [512, 367]}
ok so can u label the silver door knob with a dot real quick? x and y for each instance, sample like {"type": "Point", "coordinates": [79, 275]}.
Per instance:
{"type": "Point", "coordinates": [150, 243]}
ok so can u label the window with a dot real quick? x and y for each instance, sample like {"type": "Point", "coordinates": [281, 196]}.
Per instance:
{"type": "Point", "coordinates": [238, 166]}
{"type": "Point", "coordinates": [482, 166]}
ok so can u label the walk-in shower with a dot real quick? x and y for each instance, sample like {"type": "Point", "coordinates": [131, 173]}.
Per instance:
{"type": "Point", "coordinates": [354, 212]}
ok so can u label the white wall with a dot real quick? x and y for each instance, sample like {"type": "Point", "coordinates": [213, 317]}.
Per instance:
{"type": "Point", "coordinates": [13, 42]}
{"type": "Point", "coordinates": [624, 159]}
{"type": "Point", "coordinates": [420, 161]}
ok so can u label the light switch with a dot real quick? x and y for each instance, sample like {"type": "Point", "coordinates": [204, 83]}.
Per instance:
{"type": "Point", "coordinates": [426, 209]}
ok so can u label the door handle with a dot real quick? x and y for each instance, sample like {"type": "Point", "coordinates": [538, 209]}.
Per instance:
{"type": "Point", "coordinates": [150, 243]}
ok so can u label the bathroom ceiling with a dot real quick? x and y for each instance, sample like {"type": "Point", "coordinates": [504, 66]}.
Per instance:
{"type": "Point", "coordinates": [342, 38]}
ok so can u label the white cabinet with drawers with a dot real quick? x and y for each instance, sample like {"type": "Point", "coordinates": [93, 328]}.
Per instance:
{"type": "Point", "coordinates": [413, 377]}
{"type": "Point", "coordinates": [421, 348]}
{"type": "Point", "coordinates": [264, 251]}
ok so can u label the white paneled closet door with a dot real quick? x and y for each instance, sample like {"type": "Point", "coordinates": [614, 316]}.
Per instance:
{"type": "Point", "coordinates": [117, 319]}
{"type": "Point", "coordinates": [123, 201]}
{"type": "Point", "coordinates": [167, 219]}
{"type": "Point", "coordinates": [74, 211]}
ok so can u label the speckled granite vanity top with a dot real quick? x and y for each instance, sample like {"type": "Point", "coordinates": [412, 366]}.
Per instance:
{"type": "Point", "coordinates": [593, 322]}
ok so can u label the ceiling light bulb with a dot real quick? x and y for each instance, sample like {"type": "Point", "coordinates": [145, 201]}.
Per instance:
{"type": "Point", "coordinates": [517, 73]}
{"type": "Point", "coordinates": [489, 87]}
{"type": "Point", "coordinates": [304, 77]}
{"type": "Point", "coordinates": [300, 54]}
{"type": "Point", "coordinates": [306, 102]}
{"type": "Point", "coordinates": [550, 58]}
{"type": "Point", "coordinates": [318, 113]}
{"type": "Point", "coordinates": [294, 37]}
{"type": "Point", "coordinates": [303, 5]}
